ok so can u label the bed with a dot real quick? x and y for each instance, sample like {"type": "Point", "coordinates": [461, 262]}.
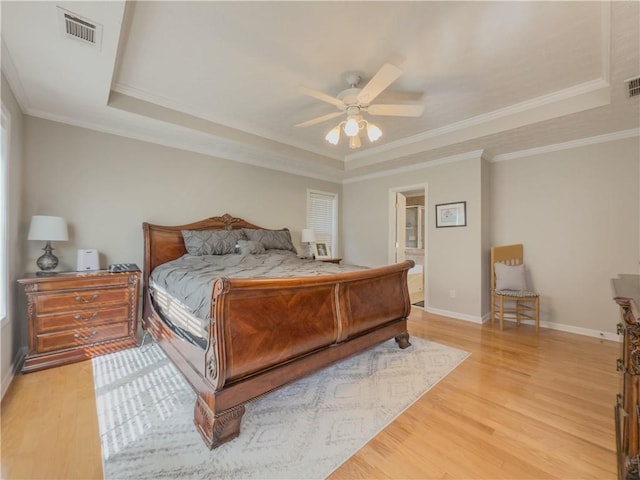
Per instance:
{"type": "Point", "coordinates": [261, 333]}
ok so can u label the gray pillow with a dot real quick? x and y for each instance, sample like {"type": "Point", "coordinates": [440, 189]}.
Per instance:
{"type": "Point", "coordinates": [510, 277]}
{"type": "Point", "coordinates": [271, 239]}
{"type": "Point", "coordinates": [250, 247]}
{"type": "Point", "coordinates": [207, 242]}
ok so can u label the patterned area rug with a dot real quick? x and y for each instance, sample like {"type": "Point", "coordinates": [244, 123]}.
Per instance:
{"type": "Point", "coordinates": [304, 430]}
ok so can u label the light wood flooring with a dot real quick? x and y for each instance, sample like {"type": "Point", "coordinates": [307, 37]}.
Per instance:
{"type": "Point", "coordinates": [522, 406]}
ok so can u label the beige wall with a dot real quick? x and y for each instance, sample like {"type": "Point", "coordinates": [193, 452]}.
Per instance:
{"type": "Point", "coordinates": [577, 213]}
{"type": "Point", "coordinates": [453, 260]}
{"type": "Point", "coordinates": [487, 223]}
{"type": "Point", "coordinates": [106, 186]}
{"type": "Point", "coordinates": [12, 328]}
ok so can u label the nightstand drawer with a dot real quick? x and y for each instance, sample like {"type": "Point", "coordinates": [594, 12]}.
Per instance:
{"type": "Point", "coordinates": [83, 336]}
{"type": "Point", "coordinates": [81, 318]}
{"type": "Point", "coordinates": [81, 299]}
{"type": "Point", "coordinates": [72, 282]}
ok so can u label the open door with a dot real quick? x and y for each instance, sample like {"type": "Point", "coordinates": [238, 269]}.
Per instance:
{"type": "Point", "coordinates": [401, 224]}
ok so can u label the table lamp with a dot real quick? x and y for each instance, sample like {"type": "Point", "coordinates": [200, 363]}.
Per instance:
{"type": "Point", "coordinates": [308, 237]}
{"type": "Point", "coordinates": [49, 229]}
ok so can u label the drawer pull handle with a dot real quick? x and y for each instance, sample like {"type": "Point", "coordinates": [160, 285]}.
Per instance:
{"type": "Point", "coordinates": [86, 337]}
{"type": "Point", "coordinates": [84, 300]}
{"type": "Point", "coordinates": [619, 328]}
{"type": "Point", "coordinates": [86, 319]}
{"type": "Point", "coordinates": [619, 365]}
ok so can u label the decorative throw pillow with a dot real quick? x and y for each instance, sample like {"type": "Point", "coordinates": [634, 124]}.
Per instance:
{"type": "Point", "coordinates": [510, 277]}
{"type": "Point", "coordinates": [206, 242]}
{"type": "Point", "coordinates": [250, 247]}
{"type": "Point", "coordinates": [271, 239]}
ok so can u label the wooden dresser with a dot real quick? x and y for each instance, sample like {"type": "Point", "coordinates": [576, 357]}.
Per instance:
{"type": "Point", "coordinates": [78, 315]}
{"type": "Point", "coordinates": [626, 291]}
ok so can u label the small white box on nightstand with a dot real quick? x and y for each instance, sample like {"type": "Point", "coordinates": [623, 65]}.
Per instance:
{"type": "Point", "coordinates": [88, 260]}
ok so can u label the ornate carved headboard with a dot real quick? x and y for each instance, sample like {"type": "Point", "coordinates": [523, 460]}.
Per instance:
{"type": "Point", "coordinates": [165, 243]}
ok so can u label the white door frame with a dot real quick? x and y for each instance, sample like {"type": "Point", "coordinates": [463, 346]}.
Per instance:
{"type": "Point", "coordinates": [392, 229]}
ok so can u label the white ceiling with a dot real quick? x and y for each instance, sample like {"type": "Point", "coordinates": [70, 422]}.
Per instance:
{"type": "Point", "coordinates": [221, 78]}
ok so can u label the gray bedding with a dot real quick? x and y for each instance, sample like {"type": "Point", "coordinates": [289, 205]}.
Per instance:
{"type": "Point", "coordinates": [190, 278]}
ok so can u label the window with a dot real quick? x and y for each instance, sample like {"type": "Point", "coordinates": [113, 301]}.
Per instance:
{"type": "Point", "coordinates": [4, 212]}
{"type": "Point", "coordinates": [322, 217]}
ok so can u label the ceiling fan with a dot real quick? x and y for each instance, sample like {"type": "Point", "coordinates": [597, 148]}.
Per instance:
{"type": "Point", "coordinates": [355, 101]}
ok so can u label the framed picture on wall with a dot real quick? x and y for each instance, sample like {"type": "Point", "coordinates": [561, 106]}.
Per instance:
{"type": "Point", "coordinates": [322, 250]}
{"type": "Point", "coordinates": [451, 214]}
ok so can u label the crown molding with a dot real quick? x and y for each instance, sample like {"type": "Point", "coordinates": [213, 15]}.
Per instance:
{"type": "Point", "coordinates": [192, 110]}
{"type": "Point", "coordinates": [575, 99]}
{"type": "Point", "coordinates": [485, 155]}
{"type": "Point", "coordinates": [217, 148]}
{"type": "Point", "coordinates": [11, 74]}
{"type": "Point", "coordinates": [474, 154]}
{"type": "Point", "coordinates": [582, 142]}
{"type": "Point", "coordinates": [517, 108]}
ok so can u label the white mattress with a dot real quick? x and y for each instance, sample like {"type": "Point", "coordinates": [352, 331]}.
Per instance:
{"type": "Point", "coordinates": [178, 313]}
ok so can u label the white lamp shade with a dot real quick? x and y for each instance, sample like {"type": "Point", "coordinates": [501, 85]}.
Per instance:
{"type": "Point", "coordinates": [351, 128]}
{"type": "Point", "coordinates": [333, 136]}
{"type": "Point", "coordinates": [373, 132]}
{"type": "Point", "coordinates": [308, 236]}
{"type": "Point", "coordinates": [44, 227]}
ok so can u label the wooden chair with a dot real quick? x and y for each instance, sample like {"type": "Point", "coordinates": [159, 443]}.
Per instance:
{"type": "Point", "coordinates": [521, 303]}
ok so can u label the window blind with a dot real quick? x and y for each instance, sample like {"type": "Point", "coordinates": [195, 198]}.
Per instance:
{"type": "Point", "coordinates": [322, 217]}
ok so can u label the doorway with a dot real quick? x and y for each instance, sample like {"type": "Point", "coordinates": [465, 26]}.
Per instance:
{"type": "Point", "coordinates": [408, 236]}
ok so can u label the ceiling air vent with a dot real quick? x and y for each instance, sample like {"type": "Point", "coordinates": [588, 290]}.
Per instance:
{"type": "Point", "coordinates": [80, 28]}
{"type": "Point", "coordinates": [634, 86]}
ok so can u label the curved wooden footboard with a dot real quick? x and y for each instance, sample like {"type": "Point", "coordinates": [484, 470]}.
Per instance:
{"type": "Point", "coordinates": [265, 333]}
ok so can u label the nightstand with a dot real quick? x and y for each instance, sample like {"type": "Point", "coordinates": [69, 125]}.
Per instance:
{"type": "Point", "coordinates": [331, 260]}
{"type": "Point", "coordinates": [79, 315]}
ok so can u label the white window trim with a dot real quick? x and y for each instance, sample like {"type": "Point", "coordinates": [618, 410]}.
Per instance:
{"type": "Point", "coordinates": [334, 242]}
{"type": "Point", "coordinates": [4, 239]}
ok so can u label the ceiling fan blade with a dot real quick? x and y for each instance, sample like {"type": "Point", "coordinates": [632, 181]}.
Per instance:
{"type": "Point", "coordinates": [386, 76]}
{"type": "Point", "coordinates": [396, 110]}
{"type": "Point", "coordinates": [321, 96]}
{"type": "Point", "coordinates": [321, 119]}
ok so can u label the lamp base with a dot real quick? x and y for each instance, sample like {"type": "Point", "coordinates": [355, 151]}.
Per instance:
{"type": "Point", "coordinates": [48, 261]}
{"type": "Point", "coordinates": [46, 274]}
{"type": "Point", "coordinates": [310, 252]}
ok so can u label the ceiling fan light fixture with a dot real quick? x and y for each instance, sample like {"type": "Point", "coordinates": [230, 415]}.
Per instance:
{"type": "Point", "coordinates": [373, 132]}
{"type": "Point", "coordinates": [351, 128]}
{"type": "Point", "coordinates": [333, 137]}
{"type": "Point", "coordinates": [357, 100]}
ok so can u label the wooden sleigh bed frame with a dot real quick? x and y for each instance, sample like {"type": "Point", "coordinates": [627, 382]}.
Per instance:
{"type": "Point", "coordinates": [265, 333]}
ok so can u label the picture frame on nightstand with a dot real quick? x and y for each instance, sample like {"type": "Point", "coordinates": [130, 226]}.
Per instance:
{"type": "Point", "coordinates": [322, 250]}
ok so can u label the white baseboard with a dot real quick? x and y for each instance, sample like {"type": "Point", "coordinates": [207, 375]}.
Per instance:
{"type": "Point", "coordinates": [551, 325]}
{"type": "Point", "coordinates": [6, 382]}
{"type": "Point", "coordinates": [459, 316]}
{"type": "Point", "coordinates": [588, 332]}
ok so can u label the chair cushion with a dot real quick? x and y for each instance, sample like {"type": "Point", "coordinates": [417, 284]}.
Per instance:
{"type": "Point", "coordinates": [510, 277]}
{"type": "Point", "coordinates": [516, 293]}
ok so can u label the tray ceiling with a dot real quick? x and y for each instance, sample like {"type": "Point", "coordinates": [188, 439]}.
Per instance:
{"type": "Point", "coordinates": [221, 78]}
